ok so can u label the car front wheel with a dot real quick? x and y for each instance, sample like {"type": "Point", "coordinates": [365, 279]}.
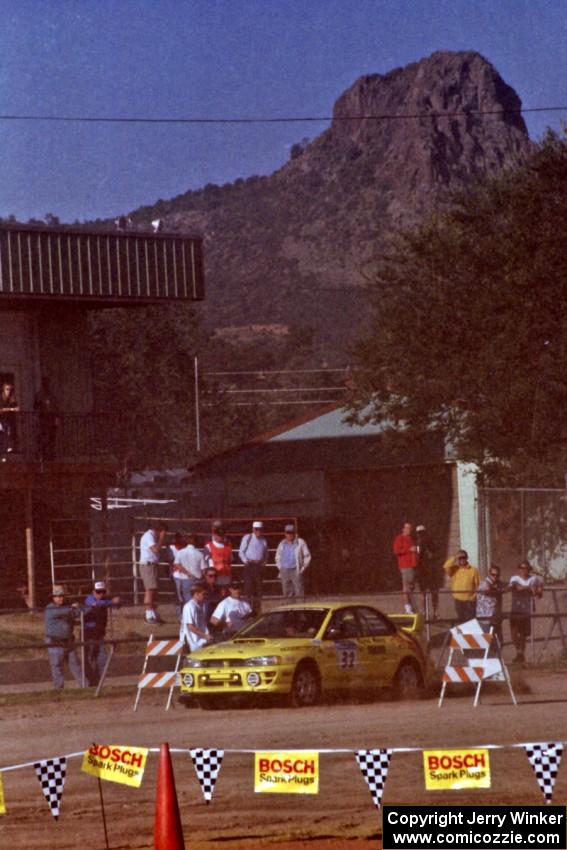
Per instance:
{"type": "Point", "coordinates": [306, 686]}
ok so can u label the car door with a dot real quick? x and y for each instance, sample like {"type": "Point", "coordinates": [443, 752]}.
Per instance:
{"type": "Point", "coordinates": [379, 647]}
{"type": "Point", "coordinates": [343, 662]}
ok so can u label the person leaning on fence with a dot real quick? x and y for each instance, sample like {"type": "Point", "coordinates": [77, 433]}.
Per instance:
{"type": "Point", "coordinates": [489, 601]}
{"type": "Point", "coordinates": [465, 580]}
{"type": "Point", "coordinates": [9, 408]}
{"type": "Point", "coordinates": [60, 618]}
{"type": "Point", "coordinates": [232, 612]}
{"type": "Point", "coordinates": [526, 588]}
{"type": "Point", "coordinates": [292, 559]}
{"type": "Point", "coordinates": [97, 605]}
{"type": "Point", "coordinates": [194, 626]}
{"type": "Point", "coordinates": [253, 553]}
{"type": "Point", "coordinates": [151, 544]}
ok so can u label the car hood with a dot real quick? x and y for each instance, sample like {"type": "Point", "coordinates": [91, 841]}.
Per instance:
{"type": "Point", "coordinates": [249, 647]}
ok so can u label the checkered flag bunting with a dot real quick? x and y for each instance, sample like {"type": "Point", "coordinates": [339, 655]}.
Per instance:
{"type": "Point", "coordinates": [207, 766]}
{"type": "Point", "coordinates": [545, 760]}
{"type": "Point", "coordinates": [374, 766]}
{"type": "Point", "coordinates": [51, 775]}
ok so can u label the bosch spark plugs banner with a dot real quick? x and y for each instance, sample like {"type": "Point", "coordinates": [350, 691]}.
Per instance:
{"type": "Point", "coordinates": [287, 772]}
{"type": "Point", "coordinates": [456, 769]}
{"type": "Point", "coordinates": [116, 763]}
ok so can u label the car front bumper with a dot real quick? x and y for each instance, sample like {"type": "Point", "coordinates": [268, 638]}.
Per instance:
{"type": "Point", "coordinates": [242, 680]}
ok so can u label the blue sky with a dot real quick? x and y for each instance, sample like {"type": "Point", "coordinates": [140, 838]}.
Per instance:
{"type": "Point", "coordinates": [219, 59]}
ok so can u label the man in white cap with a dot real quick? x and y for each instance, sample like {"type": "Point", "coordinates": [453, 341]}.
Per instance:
{"type": "Point", "coordinates": [292, 559]}
{"type": "Point", "coordinates": [96, 617]}
{"type": "Point", "coordinates": [253, 553]}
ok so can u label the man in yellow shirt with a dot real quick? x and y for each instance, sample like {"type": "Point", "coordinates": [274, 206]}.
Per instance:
{"type": "Point", "coordinates": [465, 580]}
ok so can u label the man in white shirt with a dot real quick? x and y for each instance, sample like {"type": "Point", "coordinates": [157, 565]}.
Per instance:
{"type": "Point", "coordinates": [187, 569]}
{"type": "Point", "coordinates": [151, 544]}
{"type": "Point", "coordinates": [232, 612]}
{"type": "Point", "coordinates": [194, 627]}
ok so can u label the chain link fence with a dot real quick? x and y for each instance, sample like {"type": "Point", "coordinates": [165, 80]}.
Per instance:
{"type": "Point", "coordinates": [524, 524]}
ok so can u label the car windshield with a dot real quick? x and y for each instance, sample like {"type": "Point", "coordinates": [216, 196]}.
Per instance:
{"type": "Point", "coordinates": [287, 624]}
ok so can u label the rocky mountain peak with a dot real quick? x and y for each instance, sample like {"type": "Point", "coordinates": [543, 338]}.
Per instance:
{"type": "Point", "coordinates": [308, 233]}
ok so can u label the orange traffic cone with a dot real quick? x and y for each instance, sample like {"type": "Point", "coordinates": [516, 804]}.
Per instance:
{"type": "Point", "coordinates": [168, 833]}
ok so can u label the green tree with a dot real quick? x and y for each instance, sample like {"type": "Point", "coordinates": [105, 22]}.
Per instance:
{"type": "Point", "coordinates": [468, 331]}
{"type": "Point", "coordinates": [142, 361]}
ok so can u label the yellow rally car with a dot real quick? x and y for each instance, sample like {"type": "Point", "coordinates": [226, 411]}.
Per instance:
{"type": "Point", "coordinates": [304, 650]}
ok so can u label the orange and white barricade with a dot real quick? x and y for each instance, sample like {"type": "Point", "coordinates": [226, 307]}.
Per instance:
{"type": "Point", "coordinates": [165, 679]}
{"type": "Point", "coordinates": [473, 645]}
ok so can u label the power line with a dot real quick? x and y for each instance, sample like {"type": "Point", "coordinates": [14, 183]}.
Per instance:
{"type": "Point", "coordinates": [290, 390]}
{"type": "Point", "coordinates": [265, 372]}
{"type": "Point", "coordinates": [83, 119]}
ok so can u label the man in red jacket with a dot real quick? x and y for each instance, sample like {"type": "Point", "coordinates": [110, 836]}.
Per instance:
{"type": "Point", "coordinates": [405, 551]}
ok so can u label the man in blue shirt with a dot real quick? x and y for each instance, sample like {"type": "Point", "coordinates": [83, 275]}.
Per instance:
{"type": "Point", "coordinates": [96, 617]}
{"type": "Point", "coordinates": [253, 553]}
{"type": "Point", "coordinates": [60, 617]}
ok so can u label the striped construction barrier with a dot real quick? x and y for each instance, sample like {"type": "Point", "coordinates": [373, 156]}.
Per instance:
{"type": "Point", "coordinates": [165, 647]}
{"type": "Point", "coordinates": [463, 641]}
{"type": "Point", "coordinates": [470, 637]}
{"type": "Point", "coordinates": [168, 679]}
{"type": "Point", "coordinates": [459, 673]}
{"type": "Point", "coordinates": [159, 680]}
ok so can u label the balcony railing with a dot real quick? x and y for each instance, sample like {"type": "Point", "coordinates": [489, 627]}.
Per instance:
{"type": "Point", "coordinates": [30, 436]}
{"type": "Point", "coordinates": [99, 267]}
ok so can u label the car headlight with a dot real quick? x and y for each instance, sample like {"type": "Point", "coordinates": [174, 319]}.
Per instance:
{"type": "Point", "coordinates": [193, 662]}
{"type": "Point", "coordinates": [263, 661]}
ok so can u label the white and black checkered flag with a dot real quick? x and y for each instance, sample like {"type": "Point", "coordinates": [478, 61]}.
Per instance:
{"type": "Point", "coordinates": [545, 760]}
{"type": "Point", "coordinates": [374, 766]}
{"type": "Point", "coordinates": [51, 775]}
{"type": "Point", "coordinates": [207, 766]}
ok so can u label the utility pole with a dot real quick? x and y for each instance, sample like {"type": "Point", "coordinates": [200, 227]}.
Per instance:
{"type": "Point", "coordinates": [197, 415]}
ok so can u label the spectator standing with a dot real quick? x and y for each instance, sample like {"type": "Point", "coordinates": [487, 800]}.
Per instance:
{"type": "Point", "coordinates": [526, 588]}
{"type": "Point", "coordinates": [429, 575]}
{"type": "Point", "coordinates": [465, 580]}
{"type": "Point", "coordinates": [97, 605]}
{"type": "Point", "coordinates": [151, 544]}
{"type": "Point", "coordinates": [212, 593]}
{"type": "Point", "coordinates": [60, 618]}
{"type": "Point", "coordinates": [489, 601]}
{"type": "Point", "coordinates": [45, 407]}
{"type": "Point", "coordinates": [292, 559]}
{"type": "Point", "coordinates": [218, 554]}
{"type": "Point", "coordinates": [232, 612]}
{"type": "Point", "coordinates": [194, 626]}
{"type": "Point", "coordinates": [253, 553]}
{"type": "Point", "coordinates": [405, 550]}
{"type": "Point", "coordinates": [9, 407]}
{"type": "Point", "coordinates": [187, 570]}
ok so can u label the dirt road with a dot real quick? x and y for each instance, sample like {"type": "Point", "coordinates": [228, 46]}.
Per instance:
{"type": "Point", "coordinates": [237, 816]}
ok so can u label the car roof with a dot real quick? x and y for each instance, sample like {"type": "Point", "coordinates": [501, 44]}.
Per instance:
{"type": "Point", "coordinates": [327, 604]}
